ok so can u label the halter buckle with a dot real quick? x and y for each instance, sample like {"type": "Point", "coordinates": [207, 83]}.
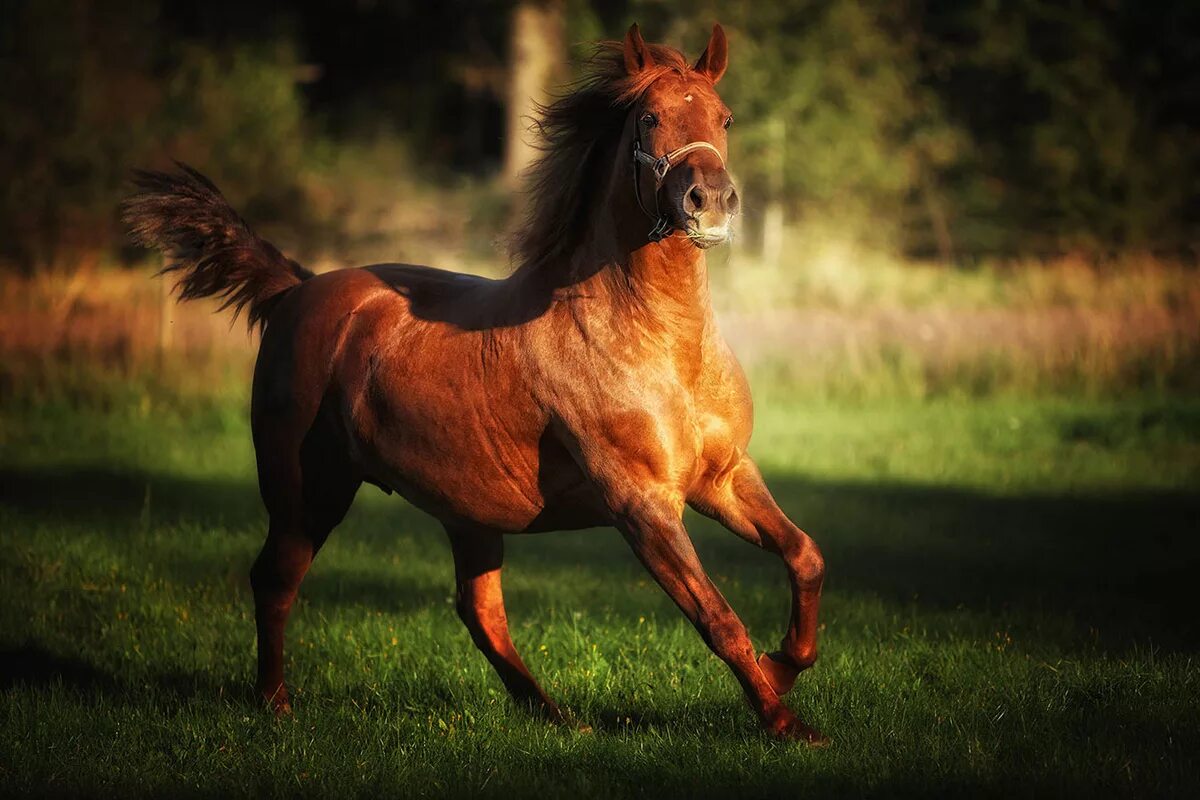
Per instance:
{"type": "Point", "coordinates": [660, 168]}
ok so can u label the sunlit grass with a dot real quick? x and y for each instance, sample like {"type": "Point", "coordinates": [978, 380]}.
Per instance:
{"type": "Point", "coordinates": [1007, 611]}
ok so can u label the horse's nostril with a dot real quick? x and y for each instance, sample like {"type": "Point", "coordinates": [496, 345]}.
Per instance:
{"type": "Point", "coordinates": [732, 202]}
{"type": "Point", "coordinates": [695, 199]}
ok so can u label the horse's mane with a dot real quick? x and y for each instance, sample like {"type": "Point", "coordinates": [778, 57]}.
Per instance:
{"type": "Point", "coordinates": [573, 131]}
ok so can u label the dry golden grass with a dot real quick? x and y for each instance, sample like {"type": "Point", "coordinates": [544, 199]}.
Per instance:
{"type": "Point", "coordinates": [107, 328]}
{"type": "Point", "coordinates": [840, 323]}
{"type": "Point", "coordinates": [822, 326]}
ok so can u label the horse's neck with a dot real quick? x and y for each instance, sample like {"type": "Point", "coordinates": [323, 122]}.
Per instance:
{"type": "Point", "coordinates": [669, 282]}
{"type": "Point", "coordinates": [655, 298]}
{"type": "Point", "coordinates": [617, 284]}
{"type": "Point", "coordinates": [666, 281]}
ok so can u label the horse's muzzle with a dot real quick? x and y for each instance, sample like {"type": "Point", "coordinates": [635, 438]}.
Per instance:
{"type": "Point", "coordinates": [708, 207]}
{"type": "Point", "coordinates": [705, 238]}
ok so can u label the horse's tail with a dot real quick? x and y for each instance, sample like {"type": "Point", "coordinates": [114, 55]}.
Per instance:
{"type": "Point", "coordinates": [215, 252]}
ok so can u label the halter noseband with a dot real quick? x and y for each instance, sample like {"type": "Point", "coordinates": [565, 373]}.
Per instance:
{"type": "Point", "coordinates": [660, 167]}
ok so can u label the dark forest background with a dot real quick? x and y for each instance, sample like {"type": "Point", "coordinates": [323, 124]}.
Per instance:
{"type": "Point", "coordinates": [954, 131]}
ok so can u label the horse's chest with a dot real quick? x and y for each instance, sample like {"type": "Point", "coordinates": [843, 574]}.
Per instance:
{"type": "Point", "coordinates": [644, 430]}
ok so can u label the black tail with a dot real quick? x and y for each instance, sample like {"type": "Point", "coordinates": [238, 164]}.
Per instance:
{"type": "Point", "coordinates": [216, 253]}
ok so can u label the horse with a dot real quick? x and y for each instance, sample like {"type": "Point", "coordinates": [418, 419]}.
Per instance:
{"type": "Point", "coordinates": [589, 388]}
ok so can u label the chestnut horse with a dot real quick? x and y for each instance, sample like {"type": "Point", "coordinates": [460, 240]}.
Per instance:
{"type": "Point", "coordinates": [591, 387]}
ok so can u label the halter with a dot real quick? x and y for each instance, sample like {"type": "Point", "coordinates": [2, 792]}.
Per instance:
{"type": "Point", "coordinates": [660, 167]}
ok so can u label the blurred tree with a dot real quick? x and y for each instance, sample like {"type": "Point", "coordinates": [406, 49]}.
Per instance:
{"type": "Point", "coordinates": [832, 121]}
{"type": "Point", "coordinates": [954, 129]}
{"type": "Point", "coordinates": [238, 112]}
{"type": "Point", "coordinates": [537, 58]}
{"type": "Point", "coordinates": [1085, 120]}
{"type": "Point", "coordinates": [73, 106]}
{"type": "Point", "coordinates": [92, 91]}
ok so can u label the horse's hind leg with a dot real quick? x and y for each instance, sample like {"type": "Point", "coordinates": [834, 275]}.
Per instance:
{"type": "Point", "coordinates": [478, 557]}
{"type": "Point", "coordinates": [307, 490]}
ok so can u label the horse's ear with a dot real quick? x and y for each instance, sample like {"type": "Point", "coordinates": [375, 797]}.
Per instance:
{"type": "Point", "coordinates": [715, 58]}
{"type": "Point", "coordinates": [637, 54]}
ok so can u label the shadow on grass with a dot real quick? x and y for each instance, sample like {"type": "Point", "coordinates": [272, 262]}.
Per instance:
{"type": "Point", "coordinates": [31, 665]}
{"type": "Point", "coordinates": [1118, 563]}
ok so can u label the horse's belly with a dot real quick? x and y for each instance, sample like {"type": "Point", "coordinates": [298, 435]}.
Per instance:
{"type": "Point", "coordinates": [490, 497]}
{"type": "Point", "coordinates": [462, 459]}
{"type": "Point", "coordinates": [453, 476]}
{"type": "Point", "coordinates": [481, 504]}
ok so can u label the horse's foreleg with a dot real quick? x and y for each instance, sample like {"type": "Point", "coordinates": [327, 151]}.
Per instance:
{"type": "Point", "coordinates": [664, 547]}
{"type": "Point", "coordinates": [478, 558]}
{"type": "Point", "coordinates": [745, 506]}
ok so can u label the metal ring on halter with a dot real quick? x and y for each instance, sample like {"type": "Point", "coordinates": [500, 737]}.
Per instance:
{"type": "Point", "coordinates": [660, 167]}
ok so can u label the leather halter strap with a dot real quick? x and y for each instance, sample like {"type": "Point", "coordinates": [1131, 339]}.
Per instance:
{"type": "Point", "coordinates": [660, 167]}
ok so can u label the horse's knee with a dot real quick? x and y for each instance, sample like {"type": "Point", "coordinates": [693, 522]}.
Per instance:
{"type": "Point", "coordinates": [806, 561]}
{"type": "Point", "coordinates": [467, 612]}
{"type": "Point", "coordinates": [811, 567]}
{"type": "Point", "coordinates": [263, 575]}
{"type": "Point", "coordinates": [482, 634]}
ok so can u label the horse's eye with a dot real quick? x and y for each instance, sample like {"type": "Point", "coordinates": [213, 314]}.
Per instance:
{"type": "Point", "coordinates": [649, 120]}
{"type": "Point", "coordinates": [728, 121]}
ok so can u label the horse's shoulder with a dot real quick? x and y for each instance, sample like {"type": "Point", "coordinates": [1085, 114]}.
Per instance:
{"type": "Point", "coordinates": [722, 394]}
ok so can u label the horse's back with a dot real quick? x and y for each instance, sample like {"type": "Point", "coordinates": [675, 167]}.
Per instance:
{"type": "Point", "coordinates": [319, 319]}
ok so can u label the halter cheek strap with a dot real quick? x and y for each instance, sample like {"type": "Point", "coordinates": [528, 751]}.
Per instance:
{"type": "Point", "coordinates": [660, 167]}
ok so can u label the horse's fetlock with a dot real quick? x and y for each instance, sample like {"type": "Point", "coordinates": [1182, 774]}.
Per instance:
{"type": "Point", "coordinates": [804, 655]}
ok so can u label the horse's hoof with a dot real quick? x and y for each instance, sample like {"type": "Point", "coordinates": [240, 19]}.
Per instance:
{"type": "Point", "coordinates": [785, 725]}
{"type": "Point", "coordinates": [566, 719]}
{"type": "Point", "coordinates": [277, 702]}
{"type": "Point", "coordinates": [797, 731]}
{"type": "Point", "coordinates": [779, 672]}
{"type": "Point", "coordinates": [815, 739]}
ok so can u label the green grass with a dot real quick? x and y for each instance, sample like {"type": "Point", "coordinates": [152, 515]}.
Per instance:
{"type": "Point", "coordinates": [1009, 610]}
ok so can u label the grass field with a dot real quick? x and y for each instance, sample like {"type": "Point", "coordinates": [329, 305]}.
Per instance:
{"type": "Point", "coordinates": [1010, 609]}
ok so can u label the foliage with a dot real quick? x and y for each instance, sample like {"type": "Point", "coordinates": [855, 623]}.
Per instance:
{"type": "Point", "coordinates": [963, 131]}
{"type": "Point", "coordinates": [92, 91]}
{"type": "Point", "coordinates": [975, 129]}
{"type": "Point", "coordinates": [1083, 120]}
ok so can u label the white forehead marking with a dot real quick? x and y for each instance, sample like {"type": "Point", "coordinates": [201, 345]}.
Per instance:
{"type": "Point", "coordinates": [687, 97]}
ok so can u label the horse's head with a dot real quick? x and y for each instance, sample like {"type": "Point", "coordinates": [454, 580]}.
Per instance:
{"type": "Point", "coordinates": [680, 143]}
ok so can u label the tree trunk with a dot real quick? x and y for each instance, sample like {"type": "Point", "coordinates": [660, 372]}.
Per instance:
{"type": "Point", "coordinates": [536, 59]}
{"type": "Point", "coordinates": [773, 219]}
{"type": "Point", "coordinates": [938, 220]}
